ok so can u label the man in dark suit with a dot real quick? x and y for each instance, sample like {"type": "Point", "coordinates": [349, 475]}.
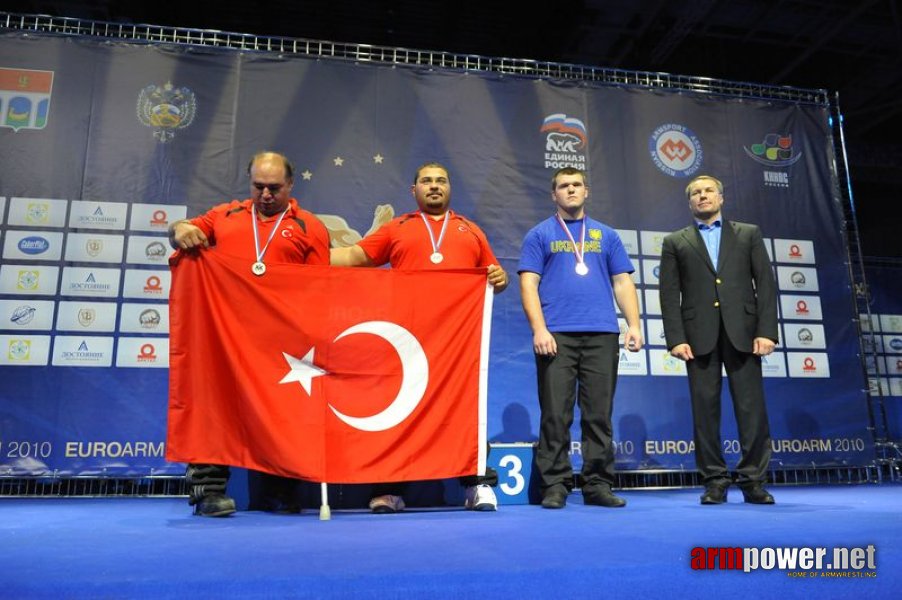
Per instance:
{"type": "Point", "coordinates": [718, 299]}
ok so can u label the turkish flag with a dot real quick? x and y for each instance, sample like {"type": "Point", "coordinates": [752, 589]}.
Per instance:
{"type": "Point", "coordinates": [342, 375]}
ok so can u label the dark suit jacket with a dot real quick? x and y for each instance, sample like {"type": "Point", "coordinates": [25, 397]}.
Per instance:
{"type": "Point", "coordinates": [695, 296]}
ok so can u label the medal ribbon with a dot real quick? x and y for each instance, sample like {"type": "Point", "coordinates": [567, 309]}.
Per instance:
{"type": "Point", "coordinates": [579, 252]}
{"type": "Point", "coordinates": [259, 252]}
{"type": "Point", "coordinates": [441, 236]}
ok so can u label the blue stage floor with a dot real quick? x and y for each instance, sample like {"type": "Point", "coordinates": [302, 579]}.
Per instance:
{"type": "Point", "coordinates": [154, 548]}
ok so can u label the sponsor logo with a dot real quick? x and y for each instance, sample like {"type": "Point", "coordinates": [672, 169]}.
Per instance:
{"type": "Point", "coordinates": [25, 98]}
{"type": "Point", "coordinates": [895, 344]}
{"type": "Point", "coordinates": [155, 250]}
{"type": "Point", "coordinates": [87, 316]}
{"type": "Point", "coordinates": [147, 353]}
{"type": "Point", "coordinates": [153, 285]}
{"type": "Point", "coordinates": [18, 350]}
{"type": "Point", "coordinates": [149, 318]}
{"type": "Point", "coordinates": [774, 151]}
{"type": "Point", "coordinates": [166, 109]}
{"type": "Point", "coordinates": [671, 364]}
{"type": "Point", "coordinates": [28, 280]}
{"type": "Point", "coordinates": [33, 245]}
{"type": "Point", "coordinates": [83, 353]}
{"type": "Point", "coordinates": [676, 150]}
{"type": "Point", "coordinates": [37, 213]}
{"type": "Point", "coordinates": [797, 278]}
{"type": "Point", "coordinates": [566, 141]}
{"type": "Point", "coordinates": [805, 335]}
{"type": "Point", "coordinates": [159, 219]}
{"type": "Point", "coordinates": [94, 246]}
{"type": "Point", "coordinates": [808, 365]}
{"type": "Point", "coordinates": [23, 315]}
{"type": "Point", "coordinates": [96, 218]}
{"type": "Point", "coordinates": [90, 284]}
{"type": "Point", "coordinates": [776, 179]}
{"type": "Point", "coordinates": [801, 307]}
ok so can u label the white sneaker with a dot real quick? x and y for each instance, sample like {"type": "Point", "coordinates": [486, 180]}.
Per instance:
{"type": "Point", "coordinates": [387, 504]}
{"type": "Point", "coordinates": [480, 497]}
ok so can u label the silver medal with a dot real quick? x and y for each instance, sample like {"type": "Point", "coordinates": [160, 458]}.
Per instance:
{"type": "Point", "coordinates": [436, 257]}
{"type": "Point", "coordinates": [258, 268]}
{"type": "Point", "coordinates": [581, 268]}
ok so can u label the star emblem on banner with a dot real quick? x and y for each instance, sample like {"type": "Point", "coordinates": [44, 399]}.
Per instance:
{"type": "Point", "coordinates": [378, 159]}
{"type": "Point", "coordinates": [339, 161]}
{"type": "Point", "coordinates": [307, 175]}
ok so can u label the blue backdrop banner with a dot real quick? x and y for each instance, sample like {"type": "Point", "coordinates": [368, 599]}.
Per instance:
{"type": "Point", "coordinates": [103, 145]}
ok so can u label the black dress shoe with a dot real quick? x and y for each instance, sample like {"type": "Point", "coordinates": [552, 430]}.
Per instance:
{"type": "Point", "coordinates": [715, 493]}
{"type": "Point", "coordinates": [554, 497]}
{"type": "Point", "coordinates": [756, 494]}
{"type": "Point", "coordinates": [601, 495]}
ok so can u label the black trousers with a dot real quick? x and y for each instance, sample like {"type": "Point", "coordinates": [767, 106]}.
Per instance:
{"type": "Point", "coordinates": [747, 391]}
{"type": "Point", "coordinates": [585, 367]}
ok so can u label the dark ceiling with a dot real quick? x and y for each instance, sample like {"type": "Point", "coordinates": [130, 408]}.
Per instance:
{"type": "Point", "coordinates": [853, 48]}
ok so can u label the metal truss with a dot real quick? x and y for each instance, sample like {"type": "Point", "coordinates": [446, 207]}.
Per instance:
{"type": "Point", "coordinates": [384, 55]}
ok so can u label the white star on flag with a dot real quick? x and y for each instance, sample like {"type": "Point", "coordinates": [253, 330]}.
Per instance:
{"type": "Point", "coordinates": [302, 370]}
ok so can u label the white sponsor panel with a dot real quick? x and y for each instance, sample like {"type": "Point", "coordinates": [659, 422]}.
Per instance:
{"type": "Point", "coordinates": [893, 365]}
{"type": "Point", "coordinates": [630, 239]}
{"type": "Point", "coordinates": [773, 365]}
{"type": "Point", "coordinates": [148, 250]}
{"type": "Point", "coordinates": [652, 242]}
{"type": "Point", "coordinates": [873, 365]}
{"type": "Point", "coordinates": [655, 332]}
{"type": "Point", "coordinates": [28, 280]}
{"type": "Point", "coordinates": [84, 281]}
{"type": "Point", "coordinates": [651, 270]}
{"type": "Point", "coordinates": [25, 350]}
{"type": "Point", "coordinates": [94, 247]}
{"type": "Point", "coordinates": [804, 335]}
{"type": "Point", "coordinates": [143, 352]}
{"type": "Point", "coordinates": [872, 342]}
{"type": "Point", "coordinates": [88, 214]}
{"type": "Point", "coordinates": [40, 212]}
{"type": "Point", "coordinates": [82, 351]}
{"type": "Point", "coordinates": [878, 386]}
{"type": "Point", "coordinates": [2, 207]}
{"type": "Point", "coordinates": [632, 363]}
{"type": "Point", "coordinates": [86, 316]}
{"type": "Point", "coordinates": [652, 302]}
{"type": "Point", "coordinates": [33, 245]}
{"type": "Point", "coordinates": [808, 364]}
{"type": "Point", "coordinates": [148, 285]}
{"type": "Point", "coordinates": [155, 217]}
{"type": "Point", "coordinates": [144, 318]}
{"type": "Point", "coordinates": [662, 363]}
{"type": "Point", "coordinates": [892, 344]}
{"type": "Point", "coordinates": [801, 307]}
{"type": "Point", "coordinates": [891, 323]}
{"type": "Point", "coordinates": [802, 279]}
{"type": "Point", "coordinates": [869, 324]}
{"type": "Point", "coordinates": [794, 251]}
{"type": "Point", "coordinates": [26, 314]}
{"type": "Point", "coordinates": [895, 386]}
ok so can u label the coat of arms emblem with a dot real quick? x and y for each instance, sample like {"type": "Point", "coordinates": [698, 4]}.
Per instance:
{"type": "Point", "coordinates": [166, 109]}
